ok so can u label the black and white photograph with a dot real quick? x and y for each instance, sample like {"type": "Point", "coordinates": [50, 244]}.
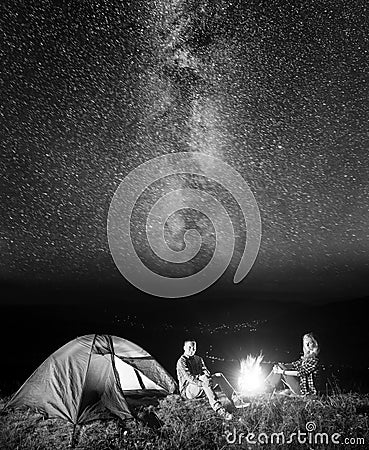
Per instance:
{"type": "Point", "coordinates": [184, 227]}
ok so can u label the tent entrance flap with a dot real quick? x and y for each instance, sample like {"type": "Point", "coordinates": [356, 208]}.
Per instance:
{"type": "Point", "coordinates": [132, 379]}
{"type": "Point", "coordinates": [139, 379]}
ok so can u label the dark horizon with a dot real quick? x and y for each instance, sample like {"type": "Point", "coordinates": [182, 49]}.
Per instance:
{"type": "Point", "coordinates": [35, 292]}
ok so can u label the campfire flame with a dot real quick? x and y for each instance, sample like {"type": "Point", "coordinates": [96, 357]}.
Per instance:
{"type": "Point", "coordinates": [251, 380]}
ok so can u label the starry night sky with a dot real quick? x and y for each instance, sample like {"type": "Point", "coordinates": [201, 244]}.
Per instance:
{"type": "Point", "coordinates": [91, 89]}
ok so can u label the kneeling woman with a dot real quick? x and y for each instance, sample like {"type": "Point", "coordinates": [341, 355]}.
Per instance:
{"type": "Point", "coordinates": [298, 375]}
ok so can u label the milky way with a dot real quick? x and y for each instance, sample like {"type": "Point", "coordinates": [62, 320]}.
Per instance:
{"type": "Point", "coordinates": [276, 90]}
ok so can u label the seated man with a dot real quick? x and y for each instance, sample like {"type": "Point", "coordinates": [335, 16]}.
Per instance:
{"type": "Point", "coordinates": [195, 380]}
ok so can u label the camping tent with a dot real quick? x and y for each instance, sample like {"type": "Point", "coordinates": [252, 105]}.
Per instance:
{"type": "Point", "coordinates": [90, 378]}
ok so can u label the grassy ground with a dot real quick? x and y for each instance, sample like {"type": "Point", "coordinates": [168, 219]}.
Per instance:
{"type": "Point", "coordinates": [193, 425]}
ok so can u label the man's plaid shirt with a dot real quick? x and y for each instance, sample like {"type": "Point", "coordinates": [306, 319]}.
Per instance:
{"type": "Point", "coordinates": [306, 370]}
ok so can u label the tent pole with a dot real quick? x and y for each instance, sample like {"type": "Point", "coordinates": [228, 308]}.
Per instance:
{"type": "Point", "coordinates": [84, 381]}
{"type": "Point", "coordinates": [73, 437]}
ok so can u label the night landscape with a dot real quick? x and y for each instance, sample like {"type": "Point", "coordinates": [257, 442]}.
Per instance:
{"type": "Point", "coordinates": [275, 90]}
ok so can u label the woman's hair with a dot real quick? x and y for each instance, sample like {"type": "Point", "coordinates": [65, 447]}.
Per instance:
{"type": "Point", "coordinates": [307, 351]}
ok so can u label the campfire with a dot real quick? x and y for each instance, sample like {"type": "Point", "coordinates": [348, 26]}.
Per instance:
{"type": "Point", "coordinates": [251, 380]}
